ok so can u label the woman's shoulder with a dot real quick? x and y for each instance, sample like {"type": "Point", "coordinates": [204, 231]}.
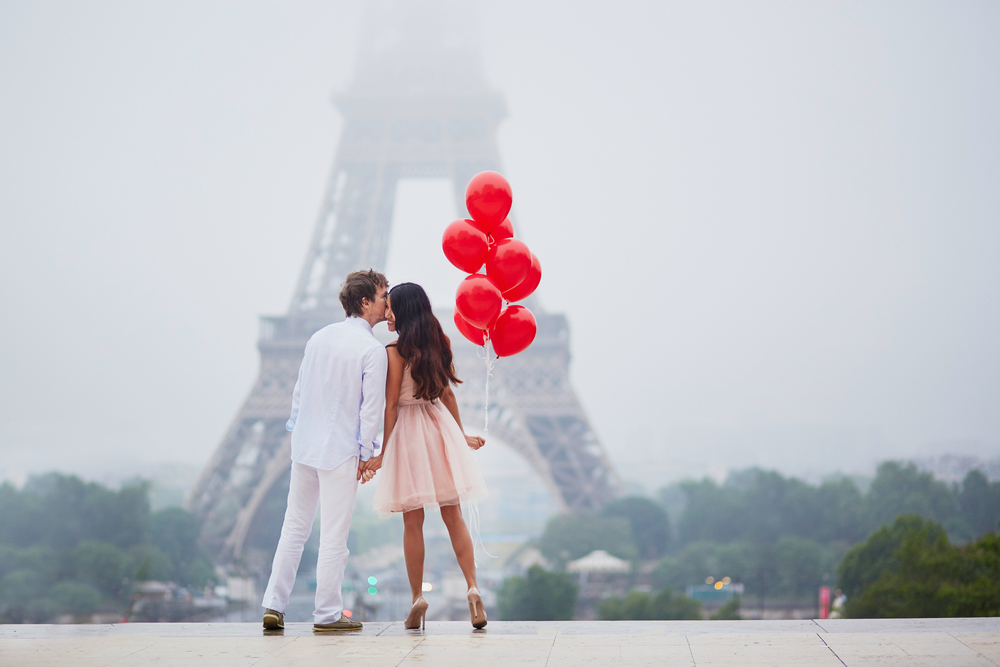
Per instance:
{"type": "Point", "coordinates": [392, 350]}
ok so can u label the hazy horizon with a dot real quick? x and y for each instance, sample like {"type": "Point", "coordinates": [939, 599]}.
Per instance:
{"type": "Point", "coordinates": [774, 230]}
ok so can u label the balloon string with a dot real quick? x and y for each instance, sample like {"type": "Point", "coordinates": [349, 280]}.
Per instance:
{"type": "Point", "coordinates": [475, 522]}
{"type": "Point", "coordinates": [489, 374]}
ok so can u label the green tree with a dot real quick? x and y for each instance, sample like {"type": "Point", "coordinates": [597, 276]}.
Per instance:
{"type": "Point", "coordinates": [69, 510]}
{"type": "Point", "coordinates": [980, 503]}
{"type": "Point", "coordinates": [840, 513]}
{"type": "Point", "coordinates": [22, 521]}
{"type": "Point", "coordinates": [712, 513]}
{"type": "Point", "coordinates": [799, 564]}
{"type": "Point", "coordinates": [199, 573]}
{"type": "Point", "coordinates": [690, 566]}
{"type": "Point", "coordinates": [728, 612]}
{"type": "Point", "coordinates": [538, 596]}
{"type": "Point", "coordinates": [638, 606]}
{"type": "Point", "coordinates": [738, 560]}
{"type": "Point", "coordinates": [175, 532]}
{"type": "Point", "coordinates": [900, 488]}
{"type": "Point", "coordinates": [101, 565]}
{"type": "Point", "coordinates": [868, 561]}
{"type": "Point", "coordinates": [121, 518]}
{"type": "Point", "coordinates": [148, 563]}
{"type": "Point", "coordinates": [928, 577]}
{"type": "Point", "coordinates": [7, 556]}
{"type": "Point", "coordinates": [775, 506]}
{"type": "Point", "coordinates": [75, 597]}
{"type": "Point", "coordinates": [762, 506]}
{"type": "Point", "coordinates": [648, 521]}
{"type": "Point", "coordinates": [18, 587]}
{"type": "Point", "coordinates": [571, 536]}
{"type": "Point", "coordinates": [63, 540]}
{"type": "Point", "coordinates": [47, 563]}
{"type": "Point", "coordinates": [670, 607]}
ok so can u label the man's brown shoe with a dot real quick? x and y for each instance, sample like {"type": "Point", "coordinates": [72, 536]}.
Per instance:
{"type": "Point", "coordinates": [337, 626]}
{"type": "Point", "coordinates": [273, 620]}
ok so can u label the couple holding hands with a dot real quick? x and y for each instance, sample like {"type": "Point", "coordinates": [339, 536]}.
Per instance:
{"type": "Point", "coordinates": [346, 380]}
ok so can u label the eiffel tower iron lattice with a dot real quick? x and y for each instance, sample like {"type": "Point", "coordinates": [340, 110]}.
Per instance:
{"type": "Point", "coordinates": [419, 106]}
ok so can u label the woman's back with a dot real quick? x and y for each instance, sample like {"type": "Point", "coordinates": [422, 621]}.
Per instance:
{"type": "Point", "coordinates": [407, 390]}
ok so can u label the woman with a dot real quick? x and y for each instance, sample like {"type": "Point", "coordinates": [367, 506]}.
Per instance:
{"type": "Point", "coordinates": [428, 458]}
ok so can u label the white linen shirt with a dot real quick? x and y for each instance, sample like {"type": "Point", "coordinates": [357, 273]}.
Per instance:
{"type": "Point", "coordinates": [339, 396]}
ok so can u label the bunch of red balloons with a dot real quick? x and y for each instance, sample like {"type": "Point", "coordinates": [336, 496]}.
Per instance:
{"type": "Point", "coordinates": [512, 271]}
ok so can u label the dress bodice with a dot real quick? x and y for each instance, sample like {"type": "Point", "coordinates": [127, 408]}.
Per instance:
{"type": "Point", "coordinates": [406, 390]}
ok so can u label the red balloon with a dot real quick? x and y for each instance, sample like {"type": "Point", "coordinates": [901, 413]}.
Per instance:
{"type": "Point", "coordinates": [465, 246]}
{"type": "Point", "coordinates": [478, 300]}
{"type": "Point", "coordinates": [514, 331]}
{"type": "Point", "coordinates": [477, 336]}
{"type": "Point", "coordinates": [488, 198]}
{"type": "Point", "coordinates": [524, 288]}
{"type": "Point", "coordinates": [505, 230]}
{"type": "Point", "coordinates": [508, 263]}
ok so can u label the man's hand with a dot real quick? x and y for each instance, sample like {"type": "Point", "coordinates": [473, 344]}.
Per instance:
{"type": "Point", "coordinates": [366, 476]}
{"type": "Point", "coordinates": [474, 441]}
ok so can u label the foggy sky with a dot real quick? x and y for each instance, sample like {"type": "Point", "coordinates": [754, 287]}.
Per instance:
{"type": "Point", "coordinates": [773, 227]}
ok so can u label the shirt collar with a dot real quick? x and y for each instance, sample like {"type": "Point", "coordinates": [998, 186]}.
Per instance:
{"type": "Point", "coordinates": [360, 322]}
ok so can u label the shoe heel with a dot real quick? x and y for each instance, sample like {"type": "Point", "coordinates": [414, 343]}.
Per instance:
{"type": "Point", "coordinates": [417, 617]}
{"type": "Point", "coordinates": [477, 611]}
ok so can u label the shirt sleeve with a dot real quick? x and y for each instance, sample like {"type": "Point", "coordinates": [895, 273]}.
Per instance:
{"type": "Point", "coordinates": [372, 400]}
{"type": "Point", "coordinates": [296, 395]}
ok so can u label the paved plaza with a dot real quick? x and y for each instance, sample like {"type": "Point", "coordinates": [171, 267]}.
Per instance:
{"type": "Point", "coordinates": [833, 643]}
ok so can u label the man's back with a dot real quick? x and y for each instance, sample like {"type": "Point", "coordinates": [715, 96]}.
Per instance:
{"type": "Point", "coordinates": [343, 363]}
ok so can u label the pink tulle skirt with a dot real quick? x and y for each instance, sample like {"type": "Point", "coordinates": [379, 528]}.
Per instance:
{"type": "Point", "coordinates": [427, 462]}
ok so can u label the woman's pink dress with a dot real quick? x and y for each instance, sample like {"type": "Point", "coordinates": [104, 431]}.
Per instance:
{"type": "Point", "coordinates": [427, 460]}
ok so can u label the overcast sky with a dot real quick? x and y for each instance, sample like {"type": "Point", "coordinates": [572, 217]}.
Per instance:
{"type": "Point", "coordinates": [774, 227]}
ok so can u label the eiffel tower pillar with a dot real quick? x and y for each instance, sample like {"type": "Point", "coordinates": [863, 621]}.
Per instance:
{"type": "Point", "coordinates": [419, 106]}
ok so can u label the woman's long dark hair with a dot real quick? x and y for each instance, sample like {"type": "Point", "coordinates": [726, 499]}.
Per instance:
{"type": "Point", "coordinates": [422, 343]}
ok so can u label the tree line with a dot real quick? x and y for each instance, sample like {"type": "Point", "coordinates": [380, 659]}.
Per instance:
{"type": "Point", "coordinates": [778, 536]}
{"type": "Point", "coordinates": [72, 547]}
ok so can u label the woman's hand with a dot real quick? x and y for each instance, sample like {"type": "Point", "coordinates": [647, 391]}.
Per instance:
{"type": "Point", "coordinates": [366, 469]}
{"type": "Point", "coordinates": [374, 463]}
{"type": "Point", "coordinates": [474, 441]}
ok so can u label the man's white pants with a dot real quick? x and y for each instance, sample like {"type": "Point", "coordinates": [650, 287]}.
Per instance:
{"type": "Point", "coordinates": [333, 491]}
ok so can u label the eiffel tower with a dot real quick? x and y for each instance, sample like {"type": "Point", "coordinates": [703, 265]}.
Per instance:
{"type": "Point", "coordinates": [418, 106]}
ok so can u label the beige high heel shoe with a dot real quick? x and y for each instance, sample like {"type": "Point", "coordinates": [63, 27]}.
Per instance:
{"type": "Point", "coordinates": [476, 609]}
{"type": "Point", "coordinates": [418, 612]}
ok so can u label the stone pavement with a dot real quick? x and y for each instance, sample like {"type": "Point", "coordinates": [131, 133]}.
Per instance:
{"type": "Point", "coordinates": [833, 643]}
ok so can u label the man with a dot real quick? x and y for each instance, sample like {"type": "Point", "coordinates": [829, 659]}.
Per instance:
{"type": "Point", "coordinates": [337, 408]}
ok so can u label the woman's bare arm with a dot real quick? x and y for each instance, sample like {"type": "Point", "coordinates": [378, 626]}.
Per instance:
{"type": "Point", "coordinates": [448, 398]}
{"type": "Point", "coordinates": [393, 382]}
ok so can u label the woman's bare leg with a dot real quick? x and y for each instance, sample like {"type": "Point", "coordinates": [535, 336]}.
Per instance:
{"type": "Point", "coordinates": [461, 542]}
{"type": "Point", "coordinates": [413, 549]}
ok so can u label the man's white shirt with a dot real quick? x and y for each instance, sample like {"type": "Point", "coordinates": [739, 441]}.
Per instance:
{"type": "Point", "coordinates": [339, 397]}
